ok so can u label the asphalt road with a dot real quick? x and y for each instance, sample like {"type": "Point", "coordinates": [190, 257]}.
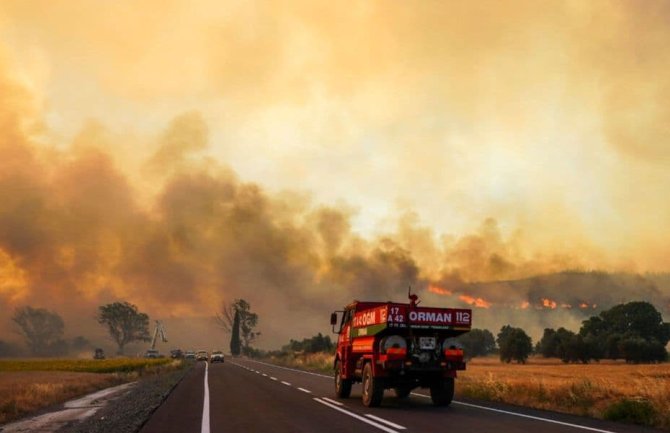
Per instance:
{"type": "Point", "coordinates": [248, 396]}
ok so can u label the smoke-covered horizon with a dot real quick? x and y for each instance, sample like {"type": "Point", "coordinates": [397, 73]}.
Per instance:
{"type": "Point", "coordinates": [300, 156]}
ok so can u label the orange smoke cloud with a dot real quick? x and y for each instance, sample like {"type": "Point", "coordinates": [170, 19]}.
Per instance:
{"type": "Point", "coordinates": [156, 216]}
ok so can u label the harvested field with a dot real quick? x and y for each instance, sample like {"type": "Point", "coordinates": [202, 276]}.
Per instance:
{"type": "Point", "coordinates": [593, 389]}
{"type": "Point", "coordinates": [28, 385]}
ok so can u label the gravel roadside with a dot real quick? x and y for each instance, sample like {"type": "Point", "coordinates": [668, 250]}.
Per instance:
{"type": "Point", "coordinates": [129, 412]}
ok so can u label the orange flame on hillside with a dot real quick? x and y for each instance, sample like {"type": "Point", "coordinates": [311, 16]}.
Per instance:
{"type": "Point", "coordinates": [439, 290]}
{"type": "Point", "coordinates": [548, 303]}
{"type": "Point", "coordinates": [525, 305]}
{"type": "Point", "coordinates": [477, 302]}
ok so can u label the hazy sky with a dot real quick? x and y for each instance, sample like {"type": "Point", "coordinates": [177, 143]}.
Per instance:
{"type": "Point", "coordinates": [540, 130]}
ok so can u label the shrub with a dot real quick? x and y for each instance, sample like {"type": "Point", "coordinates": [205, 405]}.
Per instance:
{"type": "Point", "coordinates": [632, 411]}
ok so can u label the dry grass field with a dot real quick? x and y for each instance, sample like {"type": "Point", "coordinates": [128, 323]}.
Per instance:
{"type": "Point", "coordinates": [22, 392]}
{"type": "Point", "coordinates": [29, 385]}
{"type": "Point", "coordinates": [614, 390]}
{"type": "Point", "coordinates": [596, 389]}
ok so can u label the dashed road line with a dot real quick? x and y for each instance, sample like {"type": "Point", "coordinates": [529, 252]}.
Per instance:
{"type": "Point", "coordinates": [289, 369]}
{"type": "Point", "coordinates": [388, 423]}
{"type": "Point", "coordinates": [273, 378]}
{"type": "Point", "coordinates": [285, 383]}
{"type": "Point", "coordinates": [333, 401]}
{"type": "Point", "coordinates": [307, 391]}
{"type": "Point", "coordinates": [358, 417]}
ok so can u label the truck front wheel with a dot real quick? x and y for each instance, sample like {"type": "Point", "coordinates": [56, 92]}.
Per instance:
{"type": "Point", "coordinates": [342, 386]}
{"type": "Point", "coordinates": [373, 388]}
{"type": "Point", "coordinates": [442, 391]}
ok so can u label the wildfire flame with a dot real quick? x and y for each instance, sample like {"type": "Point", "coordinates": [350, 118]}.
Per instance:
{"type": "Point", "coordinates": [477, 302]}
{"type": "Point", "coordinates": [439, 290]}
{"type": "Point", "coordinates": [548, 303]}
{"type": "Point", "coordinates": [525, 305]}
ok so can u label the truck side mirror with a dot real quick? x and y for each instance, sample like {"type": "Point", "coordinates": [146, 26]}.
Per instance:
{"type": "Point", "coordinates": [333, 319]}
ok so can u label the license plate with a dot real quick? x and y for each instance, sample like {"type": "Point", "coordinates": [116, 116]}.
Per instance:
{"type": "Point", "coordinates": [427, 343]}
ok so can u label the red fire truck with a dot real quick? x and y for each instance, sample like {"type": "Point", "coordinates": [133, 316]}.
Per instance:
{"type": "Point", "coordinates": [388, 345]}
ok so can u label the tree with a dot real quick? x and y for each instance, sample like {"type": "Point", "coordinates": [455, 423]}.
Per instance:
{"type": "Point", "coordinates": [125, 323]}
{"type": "Point", "coordinates": [514, 344]}
{"type": "Point", "coordinates": [317, 343]}
{"type": "Point", "coordinates": [634, 331]}
{"type": "Point", "coordinates": [42, 329]}
{"type": "Point", "coordinates": [477, 342]}
{"type": "Point", "coordinates": [548, 345]}
{"type": "Point", "coordinates": [634, 318]}
{"type": "Point", "coordinates": [248, 321]}
{"type": "Point", "coordinates": [9, 349]}
{"type": "Point", "coordinates": [235, 337]}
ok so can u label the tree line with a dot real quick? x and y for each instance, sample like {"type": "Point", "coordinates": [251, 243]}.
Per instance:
{"type": "Point", "coordinates": [634, 332]}
{"type": "Point", "coordinates": [43, 330]}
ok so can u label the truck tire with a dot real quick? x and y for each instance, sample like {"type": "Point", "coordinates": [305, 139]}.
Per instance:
{"type": "Point", "coordinates": [402, 391]}
{"type": "Point", "coordinates": [373, 388]}
{"type": "Point", "coordinates": [342, 386]}
{"type": "Point", "coordinates": [442, 391]}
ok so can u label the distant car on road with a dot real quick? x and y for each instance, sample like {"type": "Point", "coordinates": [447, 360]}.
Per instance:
{"type": "Point", "coordinates": [176, 354]}
{"type": "Point", "coordinates": [189, 354]}
{"type": "Point", "coordinates": [217, 356]}
{"type": "Point", "coordinates": [152, 353]}
{"type": "Point", "coordinates": [201, 355]}
{"type": "Point", "coordinates": [99, 354]}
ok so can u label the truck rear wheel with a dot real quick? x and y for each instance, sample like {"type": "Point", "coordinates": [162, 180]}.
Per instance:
{"type": "Point", "coordinates": [342, 386]}
{"type": "Point", "coordinates": [442, 391]}
{"type": "Point", "coordinates": [373, 388]}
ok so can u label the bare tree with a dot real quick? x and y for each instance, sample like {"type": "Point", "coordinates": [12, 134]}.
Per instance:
{"type": "Point", "coordinates": [248, 320]}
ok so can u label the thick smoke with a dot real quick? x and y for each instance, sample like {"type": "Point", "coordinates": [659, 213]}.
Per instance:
{"type": "Point", "coordinates": [517, 146]}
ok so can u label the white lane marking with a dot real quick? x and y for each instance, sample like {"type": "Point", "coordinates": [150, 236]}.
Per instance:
{"type": "Point", "coordinates": [265, 375]}
{"type": "Point", "coordinates": [286, 383]}
{"type": "Point", "coordinates": [351, 414]}
{"type": "Point", "coordinates": [258, 372]}
{"type": "Point", "coordinates": [537, 418]}
{"type": "Point", "coordinates": [273, 378]}
{"type": "Point", "coordinates": [332, 401]}
{"type": "Point", "coordinates": [583, 427]}
{"type": "Point", "coordinates": [290, 369]}
{"type": "Point", "coordinates": [388, 423]}
{"type": "Point", "coordinates": [305, 390]}
{"type": "Point", "coordinates": [205, 405]}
